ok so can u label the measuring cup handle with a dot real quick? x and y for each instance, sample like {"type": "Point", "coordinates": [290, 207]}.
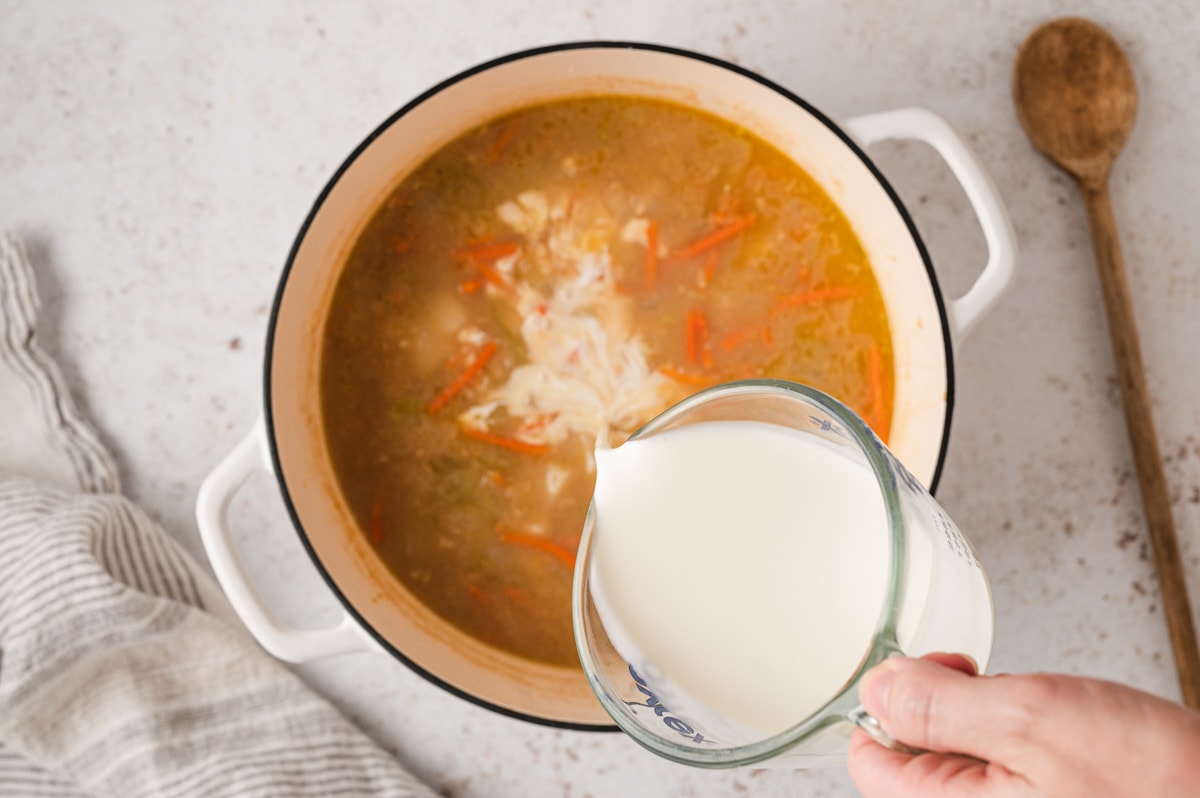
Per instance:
{"type": "Point", "coordinates": [847, 703]}
{"type": "Point", "coordinates": [924, 125]}
{"type": "Point", "coordinates": [870, 724]}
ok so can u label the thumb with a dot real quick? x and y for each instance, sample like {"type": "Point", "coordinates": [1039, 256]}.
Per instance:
{"type": "Point", "coordinates": [936, 708]}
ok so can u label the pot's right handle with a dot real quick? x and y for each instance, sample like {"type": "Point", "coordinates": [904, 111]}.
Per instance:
{"type": "Point", "coordinates": [926, 126]}
{"type": "Point", "coordinates": [212, 504]}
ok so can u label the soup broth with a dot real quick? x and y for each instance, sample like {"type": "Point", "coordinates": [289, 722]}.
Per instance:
{"type": "Point", "coordinates": [558, 274]}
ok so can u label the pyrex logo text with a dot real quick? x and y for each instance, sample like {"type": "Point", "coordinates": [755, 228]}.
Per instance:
{"type": "Point", "coordinates": [673, 723]}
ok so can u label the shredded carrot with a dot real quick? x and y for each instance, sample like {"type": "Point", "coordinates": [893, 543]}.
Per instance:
{"type": "Point", "coordinates": [401, 245]}
{"type": "Point", "coordinates": [808, 297]}
{"type": "Point", "coordinates": [875, 380]}
{"type": "Point", "coordinates": [495, 477]}
{"type": "Point", "coordinates": [518, 596]}
{"type": "Point", "coordinates": [714, 238]}
{"type": "Point", "coordinates": [710, 268]}
{"type": "Point", "coordinates": [464, 377]}
{"type": "Point", "coordinates": [491, 275]}
{"type": "Point", "coordinates": [538, 422]}
{"type": "Point", "coordinates": [700, 324]}
{"type": "Point", "coordinates": [396, 297]}
{"type": "Point", "coordinates": [683, 376]}
{"type": "Point", "coordinates": [485, 251]}
{"type": "Point", "coordinates": [483, 254]}
{"type": "Point", "coordinates": [738, 337]}
{"type": "Point", "coordinates": [698, 339]}
{"type": "Point", "coordinates": [470, 286]}
{"type": "Point", "coordinates": [477, 593]}
{"type": "Point", "coordinates": [505, 443]}
{"type": "Point", "coordinates": [652, 256]}
{"type": "Point", "coordinates": [560, 553]}
{"type": "Point", "coordinates": [502, 141]}
{"type": "Point", "coordinates": [377, 522]}
{"type": "Point", "coordinates": [691, 337]}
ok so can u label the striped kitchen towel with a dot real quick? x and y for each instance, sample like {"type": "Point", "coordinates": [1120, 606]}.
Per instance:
{"type": "Point", "coordinates": [117, 677]}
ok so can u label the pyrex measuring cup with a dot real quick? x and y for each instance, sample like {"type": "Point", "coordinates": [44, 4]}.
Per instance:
{"type": "Point", "coordinates": [937, 599]}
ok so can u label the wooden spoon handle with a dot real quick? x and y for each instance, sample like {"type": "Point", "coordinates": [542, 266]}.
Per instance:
{"type": "Point", "coordinates": [1155, 498]}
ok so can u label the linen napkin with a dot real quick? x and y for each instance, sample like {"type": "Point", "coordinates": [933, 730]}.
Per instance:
{"type": "Point", "coordinates": [116, 676]}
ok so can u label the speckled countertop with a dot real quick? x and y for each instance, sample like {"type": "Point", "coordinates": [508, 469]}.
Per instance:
{"type": "Point", "coordinates": [160, 158]}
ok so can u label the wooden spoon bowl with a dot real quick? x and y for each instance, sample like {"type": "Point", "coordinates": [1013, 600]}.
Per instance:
{"type": "Point", "coordinates": [1075, 96]}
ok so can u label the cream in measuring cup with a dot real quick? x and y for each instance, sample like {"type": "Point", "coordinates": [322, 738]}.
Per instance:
{"type": "Point", "coordinates": [744, 562]}
{"type": "Point", "coordinates": [748, 555]}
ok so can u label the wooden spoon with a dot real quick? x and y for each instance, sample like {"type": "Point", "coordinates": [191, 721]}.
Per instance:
{"type": "Point", "coordinates": [1076, 99]}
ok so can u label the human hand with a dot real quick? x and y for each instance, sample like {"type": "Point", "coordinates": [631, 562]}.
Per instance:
{"type": "Point", "coordinates": [1028, 736]}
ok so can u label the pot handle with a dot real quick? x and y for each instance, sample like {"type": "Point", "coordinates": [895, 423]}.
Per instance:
{"type": "Point", "coordinates": [926, 126]}
{"type": "Point", "coordinates": [212, 505]}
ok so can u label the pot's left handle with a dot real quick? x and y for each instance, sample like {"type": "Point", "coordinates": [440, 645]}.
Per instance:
{"type": "Point", "coordinates": [926, 126]}
{"type": "Point", "coordinates": [212, 504]}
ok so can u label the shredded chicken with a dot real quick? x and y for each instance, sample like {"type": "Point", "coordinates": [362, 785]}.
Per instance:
{"type": "Point", "coordinates": [587, 369]}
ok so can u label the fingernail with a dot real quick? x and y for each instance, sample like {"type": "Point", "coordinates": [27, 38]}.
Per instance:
{"type": "Point", "coordinates": [873, 691]}
{"type": "Point", "coordinates": [971, 663]}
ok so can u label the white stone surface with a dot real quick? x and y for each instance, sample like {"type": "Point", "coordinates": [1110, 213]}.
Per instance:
{"type": "Point", "coordinates": [160, 158]}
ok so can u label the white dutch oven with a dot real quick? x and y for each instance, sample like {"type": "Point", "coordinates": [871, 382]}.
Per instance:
{"type": "Point", "coordinates": [380, 614]}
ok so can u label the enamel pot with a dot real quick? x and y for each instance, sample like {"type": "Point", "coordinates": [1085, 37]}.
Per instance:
{"type": "Point", "coordinates": [288, 439]}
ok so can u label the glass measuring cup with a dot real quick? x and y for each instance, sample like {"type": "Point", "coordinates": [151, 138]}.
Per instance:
{"type": "Point", "coordinates": [937, 599]}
